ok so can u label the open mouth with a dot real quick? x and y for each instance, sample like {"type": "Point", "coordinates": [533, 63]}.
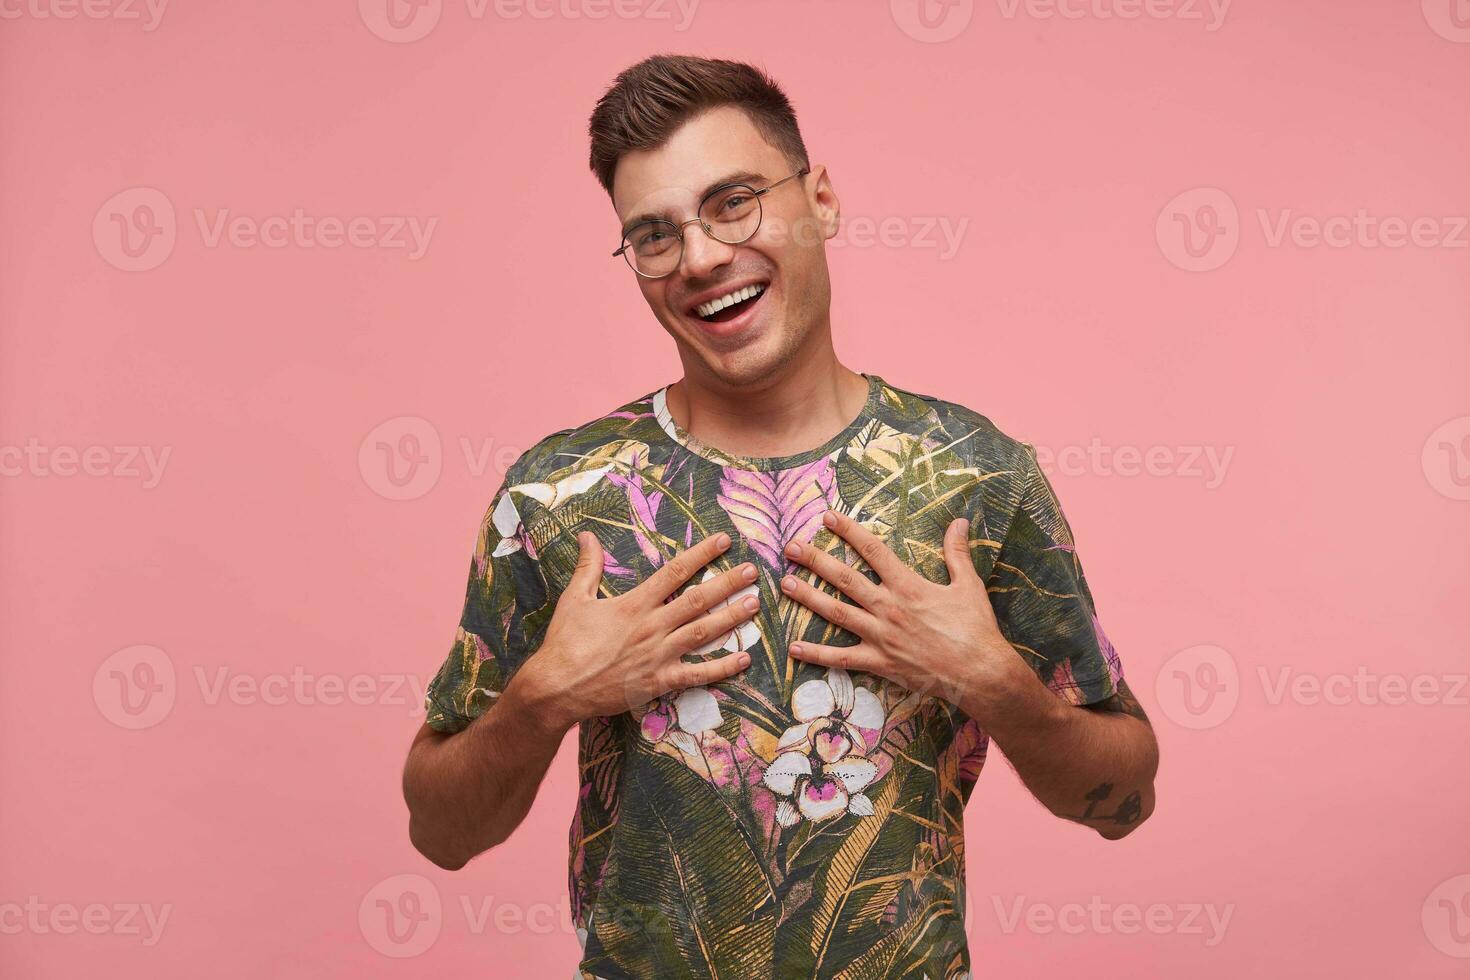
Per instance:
{"type": "Point", "coordinates": [731, 305]}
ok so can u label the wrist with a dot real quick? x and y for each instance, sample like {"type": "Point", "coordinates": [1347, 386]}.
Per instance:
{"type": "Point", "coordinates": [539, 701]}
{"type": "Point", "coordinates": [1006, 697]}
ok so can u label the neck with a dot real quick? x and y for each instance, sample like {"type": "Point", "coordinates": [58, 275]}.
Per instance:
{"type": "Point", "coordinates": [795, 408]}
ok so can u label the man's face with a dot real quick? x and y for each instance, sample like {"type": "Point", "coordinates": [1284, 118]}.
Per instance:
{"type": "Point", "coordinates": [786, 257]}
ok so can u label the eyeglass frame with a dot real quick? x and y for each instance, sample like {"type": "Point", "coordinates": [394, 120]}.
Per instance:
{"type": "Point", "coordinates": [679, 227]}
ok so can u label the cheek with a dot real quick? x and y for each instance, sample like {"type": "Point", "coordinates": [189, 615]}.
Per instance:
{"type": "Point", "coordinates": [653, 293]}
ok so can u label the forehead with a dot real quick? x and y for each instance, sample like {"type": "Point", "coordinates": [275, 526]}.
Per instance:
{"type": "Point", "coordinates": [671, 178]}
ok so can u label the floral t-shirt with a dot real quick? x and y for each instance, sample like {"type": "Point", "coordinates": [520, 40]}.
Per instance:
{"type": "Point", "coordinates": [793, 820]}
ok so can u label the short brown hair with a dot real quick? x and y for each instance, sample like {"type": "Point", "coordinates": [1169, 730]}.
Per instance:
{"type": "Point", "coordinates": [650, 100]}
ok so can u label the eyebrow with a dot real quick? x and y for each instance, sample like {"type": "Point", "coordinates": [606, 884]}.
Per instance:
{"type": "Point", "coordinates": [736, 177]}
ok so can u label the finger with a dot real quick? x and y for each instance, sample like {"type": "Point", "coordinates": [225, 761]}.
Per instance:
{"type": "Point", "coordinates": [685, 675]}
{"type": "Point", "coordinates": [676, 571]}
{"type": "Point", "coordinates": [957, 553]}
{"type": "Point", "coordinates": [860, 656]}
{"type": "Point", "coordinates": [703, 596]}
{"type": "Point", "coordinates": [587, 576]}
{"type": "Point", "coordinates": [711, 626]}
{"type": "Point", "coordinates": [848, 580]}
{"type": "Point", "coordinates": [879, 556]}
{"type": "Point", "coordinates": [843, 615]}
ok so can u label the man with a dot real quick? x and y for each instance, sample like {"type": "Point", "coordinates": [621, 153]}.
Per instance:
{"type": "Point", "coordinates": [787, 605]}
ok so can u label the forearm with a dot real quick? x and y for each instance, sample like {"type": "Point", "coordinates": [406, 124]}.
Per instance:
{"type": "Point", "coordinates": [467, 792]}
{"type": "Point", "coordinates": [1093, 765]}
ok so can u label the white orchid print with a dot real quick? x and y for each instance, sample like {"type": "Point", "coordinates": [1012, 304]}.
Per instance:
{"type": "Point", "coordinates": [551, 495]}
{"type": "Point", "coordinates": [678, 716]}
{"type": "Point", "coordinates": [507, 519]}
{"type": "Point", "coordinates": [822, 765]}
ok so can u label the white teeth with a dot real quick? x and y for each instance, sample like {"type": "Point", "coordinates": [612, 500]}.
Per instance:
{"type": "Point", "coordinates": [730, 299]}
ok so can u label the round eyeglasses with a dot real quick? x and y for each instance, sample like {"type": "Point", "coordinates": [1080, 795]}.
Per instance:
{"type": "Point", "coordinates": [731, 213]}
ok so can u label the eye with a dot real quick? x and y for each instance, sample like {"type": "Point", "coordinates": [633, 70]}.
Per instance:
{"type": "Point", "coordinates": [652, 239]}
{"type": "Point", "coordinates": [731, 205]}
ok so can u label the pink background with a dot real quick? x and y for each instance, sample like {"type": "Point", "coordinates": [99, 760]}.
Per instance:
{"type": "Point", "coordinates": [270, 825]}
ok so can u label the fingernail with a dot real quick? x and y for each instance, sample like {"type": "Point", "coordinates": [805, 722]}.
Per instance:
{"type": "Point", "coordinates": [829, 519]}
{"type": "Point", "coordinates": [795, 648]}
{"type": "Point", "coordinates": [793, 549]}
{"type": "Point", "coordinates": [788, 583]}
{"type": "Point", "coordinates": [751, 603]}
{"type": "Point", "coordinates": [749, 573]}
{"type": "Point", "coordinates": [744, 660]}
{"type": "Point", "coordinates": [723, 540]}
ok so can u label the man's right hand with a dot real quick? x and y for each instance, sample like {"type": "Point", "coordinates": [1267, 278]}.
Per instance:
{"type": "Point", "coordinates": [606, 656]}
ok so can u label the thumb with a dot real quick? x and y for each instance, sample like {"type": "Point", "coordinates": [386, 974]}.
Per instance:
{"type": "Point", "coordinates": [957, 552]}
{"type": "Point", "coordinates": [588, 573]}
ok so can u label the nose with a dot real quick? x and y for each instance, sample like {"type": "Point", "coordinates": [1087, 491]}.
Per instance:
{"type": "Point", "coordinates": [702, 253]}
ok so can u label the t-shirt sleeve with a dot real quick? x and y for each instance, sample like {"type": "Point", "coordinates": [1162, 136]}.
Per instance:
{"type": "Point", "coordinates": [1042, 602]}
{"type": "Point", "coordinates": [502, 622]}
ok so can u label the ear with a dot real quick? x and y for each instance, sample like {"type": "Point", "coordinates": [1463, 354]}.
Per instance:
{"type": "Point", "coordinates": [826, 206]}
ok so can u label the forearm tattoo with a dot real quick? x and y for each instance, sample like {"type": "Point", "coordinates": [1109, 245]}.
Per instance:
{"type": "Point", "coordinates": [1124, 813]}
{"type": "Point", "coordinates": [1128, 810]}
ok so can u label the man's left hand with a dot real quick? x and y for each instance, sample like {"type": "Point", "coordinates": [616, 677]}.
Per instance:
{"type": "Point", "coordinates": [930, 638]}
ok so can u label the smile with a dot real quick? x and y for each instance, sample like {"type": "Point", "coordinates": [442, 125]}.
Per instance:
{"type": "Point", "coordinates": [731, 305]}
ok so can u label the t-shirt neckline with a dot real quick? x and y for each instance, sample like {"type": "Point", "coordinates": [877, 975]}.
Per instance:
{"type": "Point", "coordinates": [675, 432]}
